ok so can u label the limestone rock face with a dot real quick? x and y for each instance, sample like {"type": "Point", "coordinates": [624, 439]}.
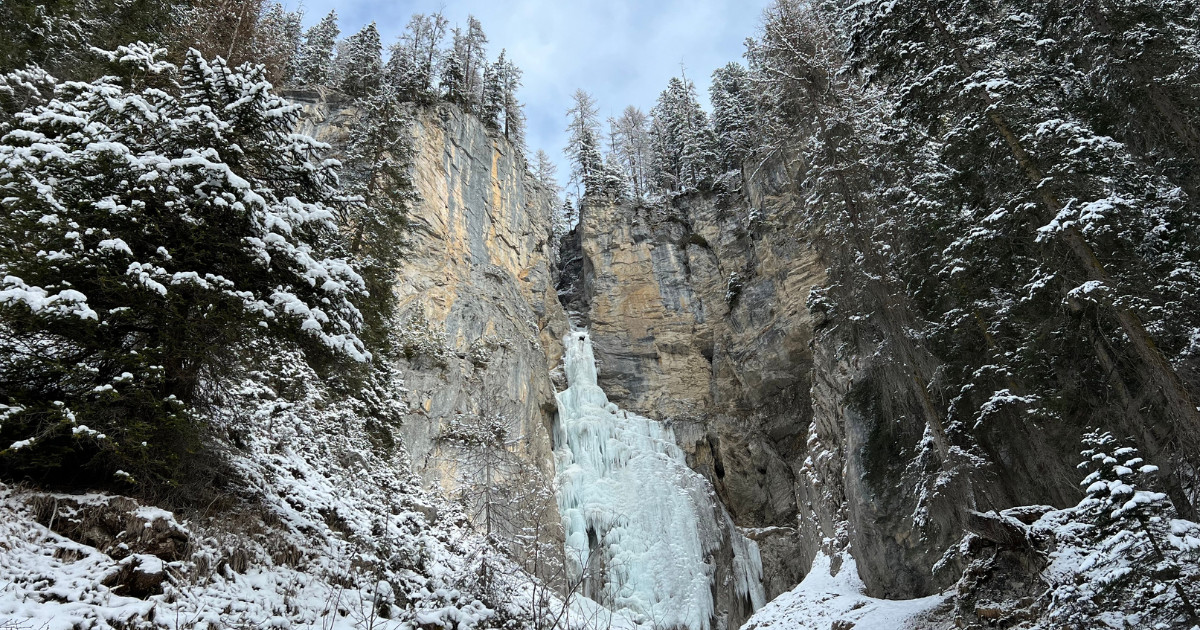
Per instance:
{"type": "Point", "coordinates": [480, 318]}
{"type": "Point", "coordinates": [480, 271]}
{"type": "Point", "coordinates": [698, 318]}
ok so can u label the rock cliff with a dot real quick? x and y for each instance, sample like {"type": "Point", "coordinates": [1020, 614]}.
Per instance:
{"type": "Point", "coordinates": [481, 323]}
{"type": "Point", "coordinates": [698, 316]}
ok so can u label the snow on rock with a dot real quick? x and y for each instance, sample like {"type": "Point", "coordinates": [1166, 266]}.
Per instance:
{"type": "Point", "coordinates": [827, 600]}
{"type": "Point", "coordinates": [641, 526]}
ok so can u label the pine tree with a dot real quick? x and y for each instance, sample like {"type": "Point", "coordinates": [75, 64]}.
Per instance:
{"type": "Point", "coordinates": [492, 109]}
{"type": "Point", "coordinates": [189, 222]}
{"type": "Point", "coordinates": [681, 141]}
{"type": "Point", "coordinates": [613, 178]}
{"type": "Point", "coordinates": [1135, 556]}
{"type": "Point", "coordinates": [1134, 67]}
{"type": "Point", "coordinates": [545, 171]}
{"type": "Point", "coordinates": [474, 58]}
{"type": "Point", "coordinates": [277, 42]}
{"type": "Point", "coordinates": [565, 218]}
{"type": "Point", "coordinates": [631, 146]}
{"type": "Point", "coordinates": [454, 71]}
{"type": "Point", "coordinates": [733, 115]}
{"type": "Point", "coordinates": [514, 114]}
{"type": "Point", "coordinates": [376, 167]}
{"type": "Point", "coordinates": [582, 150]}
{"type": "Point", "coordinates": [361, 63]}
{"type": "Point", "coordinates": [59, 36]}
{"type": "Point", "coordinates": [316, 59]}
{"type": "Point", "coordinates": [413, 60]}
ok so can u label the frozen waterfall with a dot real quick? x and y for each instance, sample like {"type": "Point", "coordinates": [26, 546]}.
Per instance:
{"type": "Point", "coordinates": [642, 527]}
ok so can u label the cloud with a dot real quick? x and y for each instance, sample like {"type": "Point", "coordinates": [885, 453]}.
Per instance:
{"type": "Point", "coordinates": [622, 51]}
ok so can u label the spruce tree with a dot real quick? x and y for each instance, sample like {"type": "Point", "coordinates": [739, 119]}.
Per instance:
{"type": "Point", "coordinates": [1135, 558]}
{"type": "Point", "coordinates": [361, 63]}
{"type": "Point", "coordinates": [733, 115]}
{"type": "Point", "coordinates": [316, 58]}
{"type": "Point", "coordinates": [491, 110]}
{"type": "Point", "coordinates": [376, 167]}
{"type": "Point", "coordinates": [155, 220]}
{"type": "Point", "coordinates": [474, 59]}
{"type": "Point", "coordinates": [514, 114]}
{"type": "Point", "coordinates": [277, 44]}
{"type": "Point", "coordinates": [565, 218]}
{"type": "Point", "coordinates": [453, 78]}
{"type": "Point", "coordinates": [681, 141]}
{"type": "Point", "coordinates": [59, 36]}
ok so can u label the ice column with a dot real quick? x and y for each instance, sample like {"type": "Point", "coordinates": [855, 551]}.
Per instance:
{"type": "Point", "coordinates": [640, 523]}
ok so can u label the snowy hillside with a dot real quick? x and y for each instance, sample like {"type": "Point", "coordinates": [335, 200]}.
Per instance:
{"type": "Point", "coordinates": [330, 533]}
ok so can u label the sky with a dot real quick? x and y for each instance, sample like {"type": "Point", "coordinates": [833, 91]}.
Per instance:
{"type": "Point", "coordinates": [621, 51]}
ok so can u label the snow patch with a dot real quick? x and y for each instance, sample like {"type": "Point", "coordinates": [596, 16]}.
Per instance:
{"type": "Point", "coordinates": [824, 598]}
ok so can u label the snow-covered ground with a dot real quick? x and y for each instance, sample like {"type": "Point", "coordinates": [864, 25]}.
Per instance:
{"type": "Point", "coordinates": [326, 532]}
{"type": "Point", "coordinates": [821, 600]}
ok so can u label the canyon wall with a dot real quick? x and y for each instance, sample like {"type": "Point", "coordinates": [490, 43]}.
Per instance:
{"type": "Point", "coordinates": [697, 312]}
{"type": "Point", "coordinates": [480, 324]}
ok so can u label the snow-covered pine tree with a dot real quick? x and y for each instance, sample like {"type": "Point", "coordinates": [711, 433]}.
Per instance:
{"type": "Point", "coordinates": [277, 43]}
{"type": "Point", "coordinates": [491, 110]}
{"type": "Point", "coordinates": [631, 133]}
{"type": "Point", "coordinates": [413, 60]}
{"type": "Point", "coordinates": [545, 171]}
{"type": "Point", "coordinates": [217, 28]}
{"type": "Point", "coordinates": [361, 61]}
{"type": "Point", "coordinates": [316, 58]}
{"type": "Point", "coordinates": [376, 167]}
{"type": "Point", "coordinates": [591, 167]}
{"type": "Point", "coordinates": [453, 79]}
{"type": "Point", "coordinates": [514, 114]}
{"type": "Point", "coordinates": [565, 218]}
{"type": "Point", "coordinates": [154, 221]}
{"type": "Point", "coordinates": [613, 178]}
{"type": "Point", "coordinates": [681, 141]}
{"type": "Point", "coordinates": [59, 36]}
{"type": "Point", "coordinates": [474, 58]}
{"type": "Point", "coordinates": [1134, 65]}
{"type": "Point", "coordinates": [733, 117]}
{"type": "Point", "coordinates": [1136, 565]}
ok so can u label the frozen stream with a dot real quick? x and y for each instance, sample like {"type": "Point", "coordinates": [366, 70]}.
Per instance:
{"type": "Point", "coordinates": [645, 530]}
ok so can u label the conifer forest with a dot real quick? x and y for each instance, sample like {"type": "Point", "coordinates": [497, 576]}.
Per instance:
{"type": "Point", "coordinates": [311, 318]}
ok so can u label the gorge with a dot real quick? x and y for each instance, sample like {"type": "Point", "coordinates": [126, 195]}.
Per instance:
{"type": "Point", "coordinates": [900, 330]}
